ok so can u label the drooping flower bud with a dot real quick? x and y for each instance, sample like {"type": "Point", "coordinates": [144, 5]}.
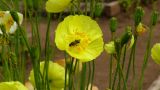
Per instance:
{"type": "Point", "coordinates": [126, 36]}
{"type": "Point", "coordinates": [113, 24]}
{"type": "Point", "coordinates": [110, 47]}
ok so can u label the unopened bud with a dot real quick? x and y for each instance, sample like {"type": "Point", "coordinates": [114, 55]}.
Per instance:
{"type": "Point", "coordinates": [138, 15]}
{"type": "Point", "coordinates": [154, 18]}
{"type": "Point", "coordinates": [113, 24]}
{"type": "Point", "coordinates": [126, 36]}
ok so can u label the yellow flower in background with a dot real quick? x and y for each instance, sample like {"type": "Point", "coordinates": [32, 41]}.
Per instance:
{"type": "Point", "coordinates": [56, 75]}
{"type": "Point", "coordinates": [110, 47]}
{"type": "Point", "coordinates": [155, 53]}
{"type": "Point", "coordinates": [7, 20]}
{"type": "Point", "coordinates": [56, 6]}
{"type": "Point", "coordinates": [13, 85]}
{"type": "Point", "coordinates": [141, 29]}
{"type": "Point", "coordinates": [80, 37]}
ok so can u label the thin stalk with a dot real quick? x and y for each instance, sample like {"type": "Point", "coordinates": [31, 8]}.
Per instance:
{"type": "Point", "coordinates": [47, 48]}
{"type": "Point", "coordinates": [93, 71]}
{"type": "Point", "coordinates": [37, 32]}
{"type": "Point", "coordinates": [83, 77]}
{"type": "Point", "coordinates": [92, 8]}
{"type": "Point", "coordinates": [124, 56]}
{"type": "Point", "coordinates": [70, 74]}
{"type": "Point", "coordinates": [146, 56]}
{"type": "Point", "coordinates": [89, 74]}
{"type": "Point", "coordinates": [110, 65]}
{"type": "Point", "coordinates": [121, 71]}
{"type": "Point", "coordinates": [66, 71]}
{"type": "Point", "coordinates": [131, 58]}
{"type": "Point", "coordinates": [78, 8]}
{"type": "Point", "coordinates": [86, 6]}
{"type": "Point", "coordinates": [6, 4]}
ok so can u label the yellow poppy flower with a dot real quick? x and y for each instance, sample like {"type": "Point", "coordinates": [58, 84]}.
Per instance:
{"type": "Point", "coordinates": [155, 53]}
{"type": "Point", "coordinates": [56, 6]}
{"type": "Point", "coordinates": [80, 37]}
{"type": "Point", "coordinates": [56, 75]}
{"type": "Point", "coordinates": [7, 20]}
{"type": "Point", "coordinates": [13, 85]}
{"type": "Point", "coordinates": [110, 47]}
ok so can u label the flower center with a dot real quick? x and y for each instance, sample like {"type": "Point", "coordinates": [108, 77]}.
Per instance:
{"type": "Point", "coordinates": [78, 42]}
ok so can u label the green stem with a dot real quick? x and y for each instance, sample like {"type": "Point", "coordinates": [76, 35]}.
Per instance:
{"type": "Point", "coordinates": [86, 6]}
{"type": "Point", "coordinates": [92, 8]}
{"type": "Point", "coordinates": [132, 55]}
{"type": "Point", "coordinates": [66, 71]}
{"type": "Point", "coordinates": [93, 71]}
{"type": "Point", "coordinates": [83, 77]}
{"type": "Point", "coordinates": [124, 56]}
{"type": "Point", "coordinates": [89, 74]}
{"type": "Point", "coordinates": [110, 65]}
{"type": "Point", "coordinates": [70, 74]}
{"type": "Point", "coordinates": [47, 54]}
{"type": "Point", "coordinates": [146, 56]}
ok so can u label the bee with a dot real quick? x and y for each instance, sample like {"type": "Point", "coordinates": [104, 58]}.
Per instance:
{"type": "Point", "coordinates": [74, 43]}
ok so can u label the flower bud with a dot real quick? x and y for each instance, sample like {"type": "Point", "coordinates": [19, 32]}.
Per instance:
{"type": "Point", "coordinates": [154, 18]}
{"type": "Point", "coordinates": [155, 53]}
{"type": "Point", "coordinates": [113, 24]}
{"type": "Point", "coordinates": [117, 44]}
{"type": "Point", "coordinates": [138, 15]}
{"type": "Point", "coordinates": [15, 16]}
{"type": "Point", "coordinates": [98, 9]}
{"type": "Point", "coordinates": [56, 6]}
{"type": "Point", "coordinates": [126, 36]}
{"type": "Point", "coordinates": [110, 47]}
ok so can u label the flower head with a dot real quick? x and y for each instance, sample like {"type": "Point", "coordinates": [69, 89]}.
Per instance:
{"type": "Point", "coordinates": [56, 6]}
{"type": "Point", "coordinates": [140, 29]}
{"type": "Point", "coordinates": [80, 37]}
{"type": "Point", "coordinates": [7, 20]}
{"type": "Point", "coordinates": [110, 47]}
{"type": "Point", "coordinates": [56, 75]}
{"type": "Point", "coordinates": [12, 86]}
{"type": "Point", "coordinates": [155, 53]}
